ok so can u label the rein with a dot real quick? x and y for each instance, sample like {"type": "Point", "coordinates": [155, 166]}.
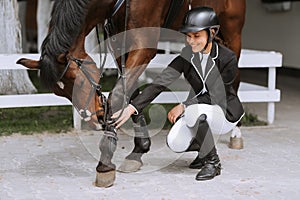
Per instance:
{"type": "Point", "coordinates": [96, 86]}
{"type": "Point", "coordinates": [109, 28]}
{"type": "Point", "coordinates": [117, 6]}
{"type": "Point", "coordinates": [123, 59]}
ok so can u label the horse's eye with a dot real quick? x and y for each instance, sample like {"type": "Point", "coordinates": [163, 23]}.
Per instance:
{"type": "Point", "coordinates": [61, 59]}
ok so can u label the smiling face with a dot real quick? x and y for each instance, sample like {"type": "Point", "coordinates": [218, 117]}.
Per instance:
{"type": "Point", "coordinates": [198, 40]}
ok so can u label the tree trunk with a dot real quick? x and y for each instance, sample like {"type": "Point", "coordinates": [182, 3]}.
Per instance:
{"type": "Point", "coordinates": [44, 8]}
{"type": "Point", "coordinates": [22, 17]}
{"type": "Point", "coordinates": [12, 81]}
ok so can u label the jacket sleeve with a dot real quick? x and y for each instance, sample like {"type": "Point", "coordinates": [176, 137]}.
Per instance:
{"type": "Point", "coordinates": [190, 99]}
{"type": "Point", "coordinates": [161, 83]}
{"type": "Point", "coordinates": [205, 98]}
{"type": "Point", "coordinates": [230, 70]}
{"type": "Point", "coordinates": [234, 110]}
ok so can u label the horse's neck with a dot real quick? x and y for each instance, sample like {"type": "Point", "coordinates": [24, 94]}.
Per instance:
{"type": "Point", "coordinates": [77, 48]}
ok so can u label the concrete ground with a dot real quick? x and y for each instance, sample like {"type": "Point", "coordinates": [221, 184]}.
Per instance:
{"type": "Point", "coordinates": [62, 166]}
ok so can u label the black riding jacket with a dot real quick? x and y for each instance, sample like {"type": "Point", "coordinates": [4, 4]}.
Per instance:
{"type": "Point", "coordinates": [213, 87]}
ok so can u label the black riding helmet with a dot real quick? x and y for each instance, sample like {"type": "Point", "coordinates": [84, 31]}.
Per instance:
{"type": "Point", "coordinates": [201, 18]}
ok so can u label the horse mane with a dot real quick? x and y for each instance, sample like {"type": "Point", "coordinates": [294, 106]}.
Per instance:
{"type": "Point", "coordinates": [65, 25]}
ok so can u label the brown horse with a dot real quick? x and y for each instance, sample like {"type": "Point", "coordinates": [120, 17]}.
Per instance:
{"type": "Point", "coordinates": [69, 71]}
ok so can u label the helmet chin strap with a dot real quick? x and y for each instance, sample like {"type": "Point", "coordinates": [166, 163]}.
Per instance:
{"type": "Point", "coordinates": [209, 39]}
{"type": "Point", "coordinates": [204, 48]}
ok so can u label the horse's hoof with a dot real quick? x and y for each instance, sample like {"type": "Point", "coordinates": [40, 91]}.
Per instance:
{"type": "Point", "coordinates": [130, 166]}
{"type": "Point", "coordinates": [236, 143]}
{"type": "Point", "coordinates": [105, 179]}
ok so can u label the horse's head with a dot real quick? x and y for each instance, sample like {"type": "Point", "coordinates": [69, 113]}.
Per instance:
{"type": "Point", "coordinates": [65, 68]}
{"type": "Point", "coordinates": [74, 76]}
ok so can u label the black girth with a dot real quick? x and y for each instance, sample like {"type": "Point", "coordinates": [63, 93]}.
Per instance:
{"type": "Point", "coordinates": [174, 9]}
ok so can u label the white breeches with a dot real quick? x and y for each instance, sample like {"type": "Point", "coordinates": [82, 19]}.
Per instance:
{"type": "Point", "coordinates": [182, 133]}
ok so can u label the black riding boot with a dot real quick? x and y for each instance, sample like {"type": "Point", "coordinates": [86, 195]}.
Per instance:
{"type": "Point", "coordinates": [207, 160]}
{"type": "Point", "coordinates": [211, 168]}
{"type": "Point", "coordinates": [198, 162]}
{"type": "Point", "coordinates": [197, 142]}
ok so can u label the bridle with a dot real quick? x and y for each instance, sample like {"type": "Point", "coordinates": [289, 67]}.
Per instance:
{"type": "Point", "coordinates": [85, 113]}
{"type": "Point", "coordinates": [95, 86]}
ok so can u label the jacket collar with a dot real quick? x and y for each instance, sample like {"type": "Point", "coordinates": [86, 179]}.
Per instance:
{"type": "Point", "coordinates": [210, 61]}
{"type": "Point", "coordinates": [187, 53]}
{"type": "Point", "coordinates": [214, 53]}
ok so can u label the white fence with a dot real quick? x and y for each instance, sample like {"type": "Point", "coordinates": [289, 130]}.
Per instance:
{"type": "Point", "coordinates": [247, 92]}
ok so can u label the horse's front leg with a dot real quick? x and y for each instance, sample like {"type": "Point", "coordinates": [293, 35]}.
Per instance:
{"type": "Point", "coordinates": [106, 170]}
{"type": "Point", "coordinates": [135, 65]}
{"type": "Point", "coordinates": [142, 142]}
{"type": "Point", "coordinates": [133, 162]}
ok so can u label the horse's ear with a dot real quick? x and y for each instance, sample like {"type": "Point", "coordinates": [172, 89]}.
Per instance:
{"type": "Point", "coordinates": [31, 64]}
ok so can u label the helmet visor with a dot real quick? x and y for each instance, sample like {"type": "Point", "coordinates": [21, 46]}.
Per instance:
{"type": "Point", "coordinates": [191, 28]}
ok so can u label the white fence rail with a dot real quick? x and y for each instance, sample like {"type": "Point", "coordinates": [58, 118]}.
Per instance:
{"type": "Point", "coordinates": [247, 92]}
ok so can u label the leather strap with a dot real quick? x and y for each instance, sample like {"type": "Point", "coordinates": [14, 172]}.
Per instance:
{"type": "Point", "coordinates": [172, 13]}
{"type": "Point", "coordinates": [117, 6]}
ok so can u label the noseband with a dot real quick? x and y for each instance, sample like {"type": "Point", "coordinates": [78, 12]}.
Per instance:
{"type": "Point", "coordinates": [95, 87]}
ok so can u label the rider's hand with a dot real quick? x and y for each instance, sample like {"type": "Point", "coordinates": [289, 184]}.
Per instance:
{"type": "Point", "coordinates": [175, 113]}
{"type": "Point", "coordinates": [127, 112]}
